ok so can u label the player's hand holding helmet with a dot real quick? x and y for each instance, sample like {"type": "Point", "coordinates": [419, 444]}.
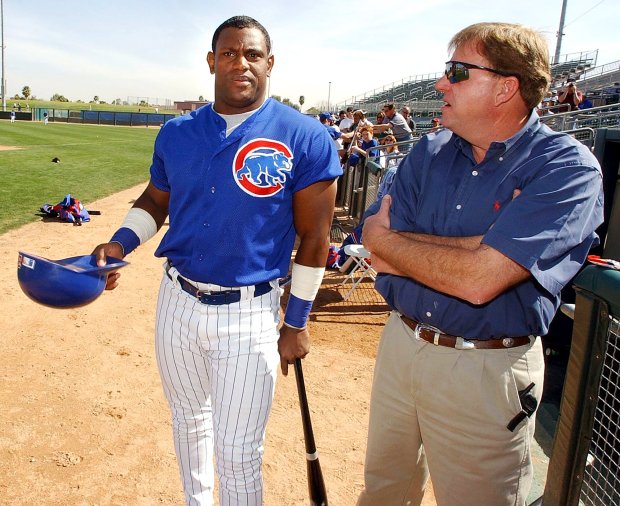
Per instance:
{"type": "Point", "coordinates": [101, 253]}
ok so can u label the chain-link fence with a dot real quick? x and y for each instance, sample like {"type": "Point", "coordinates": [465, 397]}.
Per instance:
{"type": "Point", "coordinates": [601, 477]}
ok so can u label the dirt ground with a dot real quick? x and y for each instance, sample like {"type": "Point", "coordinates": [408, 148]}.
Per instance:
{"type": "Point", "coordinates": [84, 420]}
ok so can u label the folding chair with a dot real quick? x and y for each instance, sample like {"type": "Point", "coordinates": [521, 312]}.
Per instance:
{"type": "Point", "coordinates": [361, 270]}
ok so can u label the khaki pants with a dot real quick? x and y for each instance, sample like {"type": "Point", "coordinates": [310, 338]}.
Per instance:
{"type": "Point", "coordinates": [444, 410]}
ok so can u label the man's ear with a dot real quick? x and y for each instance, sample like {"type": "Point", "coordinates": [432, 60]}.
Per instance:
{"type": "Point", "coordinates": [211, 61]}
{"type": "Point", "coordinates": [509, 87]}
{"type": "Point", "coordinates": [270, 62]}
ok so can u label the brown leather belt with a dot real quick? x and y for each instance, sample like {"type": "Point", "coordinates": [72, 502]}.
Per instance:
{"type": "Point", "coordinates": [435, 336]}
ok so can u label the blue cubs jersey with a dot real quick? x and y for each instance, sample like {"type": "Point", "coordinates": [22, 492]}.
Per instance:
{"type": "Point", "coordinates": [231, 198]}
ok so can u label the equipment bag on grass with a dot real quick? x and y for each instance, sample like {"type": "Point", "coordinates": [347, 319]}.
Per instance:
{"type": "Point", "coordinates": [69, 209]}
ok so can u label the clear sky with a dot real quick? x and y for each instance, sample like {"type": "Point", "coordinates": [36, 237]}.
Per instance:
{"type": "Point", "coordinates": [157, 48]}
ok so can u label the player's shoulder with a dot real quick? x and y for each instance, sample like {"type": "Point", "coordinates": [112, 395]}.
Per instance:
{"type": "Point", "coordinates": [292, 118]}
{"type": "Point", "coordinates": [190, 117]}
{"type": "Point", "coordinates": [185, 124]}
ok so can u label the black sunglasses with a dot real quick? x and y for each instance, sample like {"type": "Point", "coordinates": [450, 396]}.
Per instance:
{"type": "Point", "coordinates": [458, 71]}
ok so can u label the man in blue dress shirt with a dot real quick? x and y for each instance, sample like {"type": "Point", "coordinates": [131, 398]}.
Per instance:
{"type": "Point", "coordinates": [487, 219]}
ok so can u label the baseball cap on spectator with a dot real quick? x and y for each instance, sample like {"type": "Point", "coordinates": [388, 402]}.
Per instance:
{"type": "Point", "coordinates": [325, 115]}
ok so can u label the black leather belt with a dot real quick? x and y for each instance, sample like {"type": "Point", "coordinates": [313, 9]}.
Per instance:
{"type": "Point", "coordinates": [434, 336]}
{"type": "Point", "coordinates": [217, 298]}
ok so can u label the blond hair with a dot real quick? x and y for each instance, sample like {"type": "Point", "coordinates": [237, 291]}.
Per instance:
{"type": "Point", "coordinates": [514, 49]}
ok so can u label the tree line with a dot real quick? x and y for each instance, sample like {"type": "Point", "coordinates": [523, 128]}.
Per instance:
{"type": "Point", "coordinates": [57, 97]}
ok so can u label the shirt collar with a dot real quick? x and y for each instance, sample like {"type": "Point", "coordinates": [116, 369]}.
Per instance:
{"type": "Point", "coordinates": [499, 148]}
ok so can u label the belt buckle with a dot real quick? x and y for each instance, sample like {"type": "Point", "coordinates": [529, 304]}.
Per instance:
{"type": "Point", "coordinates": [463, 344]}
{"type": "Point", "coordinates": [425, 326]}
{"type": "Point", "coordinates": [200, 293]}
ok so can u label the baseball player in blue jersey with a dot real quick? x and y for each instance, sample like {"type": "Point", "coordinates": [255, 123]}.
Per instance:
{"type": "Point", "coordinates": [238, 180]}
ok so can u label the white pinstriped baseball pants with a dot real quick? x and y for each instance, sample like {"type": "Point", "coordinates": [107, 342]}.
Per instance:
{"type": "Point", "coordinates": [218, 367]}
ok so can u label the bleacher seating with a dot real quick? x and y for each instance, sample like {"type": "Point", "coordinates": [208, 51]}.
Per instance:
{"type": "Point", "coordinates": [412, 90]}
{"type": "Point", "coordinates": [419, 92]}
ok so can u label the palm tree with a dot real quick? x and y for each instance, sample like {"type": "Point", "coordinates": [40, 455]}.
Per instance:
{"type": "Point", "coordinates": [26, 92]}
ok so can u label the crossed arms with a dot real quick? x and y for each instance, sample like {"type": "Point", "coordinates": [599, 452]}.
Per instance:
{"type": "Point", "coordinates": [458, 266]}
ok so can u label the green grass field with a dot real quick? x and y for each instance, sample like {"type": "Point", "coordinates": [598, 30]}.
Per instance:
{"type": "Point", "coordinates": [95, 161]}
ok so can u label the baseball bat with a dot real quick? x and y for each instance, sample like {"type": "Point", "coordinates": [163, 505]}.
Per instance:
{"type": "Point", "coordinates": [316, 485]}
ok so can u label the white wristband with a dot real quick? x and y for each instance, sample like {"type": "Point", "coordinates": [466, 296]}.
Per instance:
{"type": "Point", "coordinates": [141, 223]}
{"type": "Point", "coordinates": [306, 281]}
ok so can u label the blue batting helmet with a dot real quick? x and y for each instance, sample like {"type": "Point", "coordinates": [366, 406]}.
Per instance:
{"type": "Point", "coordinates": [70, 282]}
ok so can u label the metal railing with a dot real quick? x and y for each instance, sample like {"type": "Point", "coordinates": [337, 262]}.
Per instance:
{"type": "Point", "coordinates": [596, 117]}
{"type": "Point", "coordinates": [359, 184]}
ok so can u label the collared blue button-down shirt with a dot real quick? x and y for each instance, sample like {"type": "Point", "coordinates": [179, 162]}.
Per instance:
{"type": "Point", "coordinates": [548, 229]}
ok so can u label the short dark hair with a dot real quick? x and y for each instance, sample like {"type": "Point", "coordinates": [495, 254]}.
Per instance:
{"type": "Point", "coordinates": [241, 22]}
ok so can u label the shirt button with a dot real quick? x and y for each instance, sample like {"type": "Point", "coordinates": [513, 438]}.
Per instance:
{"type": "Point", "coordinates": [501, 158]}
{"type": "Point", "coordinates": [429, 314]}
{"type": "Point", "coordinates": [459, 206]}
{"type": "Point", "coordinates": [213, 189]}
{"type": "Point", "coordinates": [474, 173]}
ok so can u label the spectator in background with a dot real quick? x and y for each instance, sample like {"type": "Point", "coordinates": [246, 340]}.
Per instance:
{"type": "Point", "coordinates": [571, 97]}
{"type": "Point", "coordinates": [390, 162]}
{"type": "Point", "coordinates": [406, 112]}
{"type": "Point", "coordinates": [360, 120]}
{"type": "Point", "coordinates": [397, 124]}
{"type": "Point", "coordinates": [586, 103]}
{"type": "Point", "coordinates": [379, 121]}
{"type": "Point", "coordinates": [391, 155]}
{"type": "Point", "coordinates": [12, 116]}
{"type": "Point", "coordinates": [327, 120]}
{"type": "Point", "coordinates": [367, 141]}
{"type": "Point", "coordinates": [346, 122]}
{"type": "Point", "coordinates": [341, 116]}
{"type": "Point", "coordinates": [435, 124]}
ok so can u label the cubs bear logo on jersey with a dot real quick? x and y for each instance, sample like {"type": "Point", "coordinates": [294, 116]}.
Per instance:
{"type": "Point", "coordinates": [261, 167]}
